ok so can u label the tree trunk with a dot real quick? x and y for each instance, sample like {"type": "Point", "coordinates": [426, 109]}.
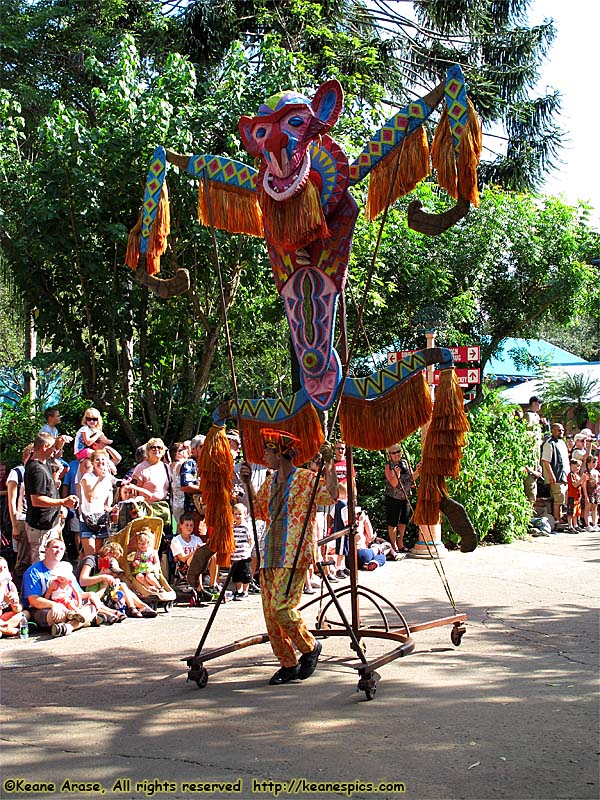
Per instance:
{"type": "Point", "coordinates": [30, 354]}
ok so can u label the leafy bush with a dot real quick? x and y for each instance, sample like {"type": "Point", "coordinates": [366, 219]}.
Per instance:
{"type": "Point", "coordinates": [490, 485]}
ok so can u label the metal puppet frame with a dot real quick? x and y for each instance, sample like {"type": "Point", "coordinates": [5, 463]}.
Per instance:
{"type": "Point", "coordinates": [397, 631]}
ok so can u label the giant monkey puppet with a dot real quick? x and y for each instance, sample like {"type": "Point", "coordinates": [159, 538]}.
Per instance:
{"type": "Point", "coordinates": [298, 200]}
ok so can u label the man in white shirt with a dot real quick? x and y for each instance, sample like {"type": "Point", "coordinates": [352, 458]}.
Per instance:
{"type": "Point", "coordinates": [556, 467]}
{"type": "Point", "coordinates": [17, 508]}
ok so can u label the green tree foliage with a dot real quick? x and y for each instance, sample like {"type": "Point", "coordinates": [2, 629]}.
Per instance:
{"type": "Point", "coordinates": [388, 50]}
{"type": "Point", "coordinates": [515, 263]}
{"type": "Point", "coordinates": [45, 46]}
{"type": "Point", "coordinates": [19, 425]}
{"type": "Point", "coordinates": [77, 180]}
{"type": "Point", "coordinates": [572, 398]}
{"type": "Point", "coordinates": [502, 56]}
{"type": "Point", "coordinates": [11, 329]}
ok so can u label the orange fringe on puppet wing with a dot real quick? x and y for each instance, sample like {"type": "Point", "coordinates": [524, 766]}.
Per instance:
{"type": "Point", "coordinates": [469, 154]}
{"type": "Point", "coordinates": [389, 418]}
{"type": "Point", "coordinates": [231, 209]}
{"type": "Point", "coordinates": [215, 469]}
{"type": "Point", "coordinates": [442, 449]}
{"type": "Point", "coordinates": [132, 253]}
{"type": "Point", "coordinates": [295, 222]}
{"type": "Point", "coordinates": [413, 166]}
{"type": "Point", "coordinates": [443, 156]}
{"type": "Point", "coordinates": [157, 242]}
{"type": "Point", "coordinates": [305, 424]}
{"type": "Point", "coordinates": [458, 181]}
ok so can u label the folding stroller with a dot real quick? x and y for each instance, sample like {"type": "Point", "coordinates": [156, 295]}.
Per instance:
{"type": "Point", "coordinates": [127, 538]}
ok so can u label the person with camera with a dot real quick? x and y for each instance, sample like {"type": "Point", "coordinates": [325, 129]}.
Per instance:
{"type": "Point", "coordinates": [96, 502]}
{"type": "Point", "coordinates": [399, 479]}
{"type": "Point", "coordinates": [43, 518]}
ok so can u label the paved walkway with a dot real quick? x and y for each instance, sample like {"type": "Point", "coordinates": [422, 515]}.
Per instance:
{"type": "Point", "coordinates": [511, 713]}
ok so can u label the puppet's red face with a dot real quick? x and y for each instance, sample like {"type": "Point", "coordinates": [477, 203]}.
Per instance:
{"type": "Point", "coordinates": [283, 143]}
{"type": "Point", "coordinates": [281, 133]}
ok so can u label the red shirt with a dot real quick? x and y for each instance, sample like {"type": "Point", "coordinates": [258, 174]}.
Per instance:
{"type": "Point", "coordinates": [573, 491]}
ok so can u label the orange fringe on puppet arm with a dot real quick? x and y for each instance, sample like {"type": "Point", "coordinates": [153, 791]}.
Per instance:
{"type": "Point", "coordinates": [469, 153]}
{"type": "Point", "coordinates": [229, 208]}
{"type": "Point", "coordinates": [391, 417]}
{"type": "Point", "coordinates": [442, 449]}
{"type": "Point", "coordinates": [443, 156]}
{"type": "Point", "coordinates": [413, 166]}
{"type": "Point", "coordinates": [157, 242]}
{"type": "Point", "coordinates": [215, 469]}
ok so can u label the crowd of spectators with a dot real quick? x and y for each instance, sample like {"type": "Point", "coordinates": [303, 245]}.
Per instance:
{"type": "Point", "coordinates": [65, 517]}
{"type": "Point", "coordinates": [62, 513]}
{"type": "Point", "coordinates": [563, 486]}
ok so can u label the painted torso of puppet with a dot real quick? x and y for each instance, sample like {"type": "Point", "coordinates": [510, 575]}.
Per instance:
{"type": "Point", "coordinates": [308, 217]}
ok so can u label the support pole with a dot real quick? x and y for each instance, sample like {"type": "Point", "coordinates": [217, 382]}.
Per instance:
{"type": "Point", "coordinates": [352, 559]}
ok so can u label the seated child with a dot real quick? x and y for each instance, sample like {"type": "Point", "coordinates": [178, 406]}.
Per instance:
{"type": "Point", "coordinates": [145, 564]}
{"type": "Point", "coordinates": [108, 561]}
{"type": "Point", "coordinates": [241, 572]}
{"type": "Point", "coordinates": [203, 563]}
{"type": "Point", "coordinates": [83, 607]}
{"type": "Point", "coordinates": [370, 554]}
{"type": "Point", "coordinates": [108, 564]}
{"type": "Point", "coordinates": [185, 543]}
{"type": "Point", "coordinates": [11, 610]}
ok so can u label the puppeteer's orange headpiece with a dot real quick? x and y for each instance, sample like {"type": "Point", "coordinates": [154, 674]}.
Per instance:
{"type": "Point", "coordinates": [283, 442]}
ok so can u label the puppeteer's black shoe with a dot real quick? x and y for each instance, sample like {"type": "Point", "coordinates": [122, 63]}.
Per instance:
{"type": "Point", "coordinates": [308, 662]}
{"type": "Point", "coordinates": [284, 675]}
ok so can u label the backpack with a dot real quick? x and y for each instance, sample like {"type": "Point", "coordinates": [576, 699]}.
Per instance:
{"type": "Point", "coordinates": [5, 523]}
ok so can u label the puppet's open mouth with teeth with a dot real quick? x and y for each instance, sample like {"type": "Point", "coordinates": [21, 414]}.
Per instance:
{"type": "Point", "coordinates": [282, 188]}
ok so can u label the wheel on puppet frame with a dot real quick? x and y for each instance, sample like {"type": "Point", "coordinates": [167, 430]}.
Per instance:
{"type": "Point", "coordinates": [198, 674]}
{"type": "Point", "coordinates": [457, 633]}
{"type": "Point", "coordinates": [155, 602]}
{"type": "Point", "coordinates": [152, 601]}
{"type": "Point", "coordinates": [367, 683]}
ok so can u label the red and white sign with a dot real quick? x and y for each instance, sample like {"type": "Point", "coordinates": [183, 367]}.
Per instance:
{"type": "Point", "coordinates": [461, 355]}
{"type": "Point", "coordinates": [466, 377]}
